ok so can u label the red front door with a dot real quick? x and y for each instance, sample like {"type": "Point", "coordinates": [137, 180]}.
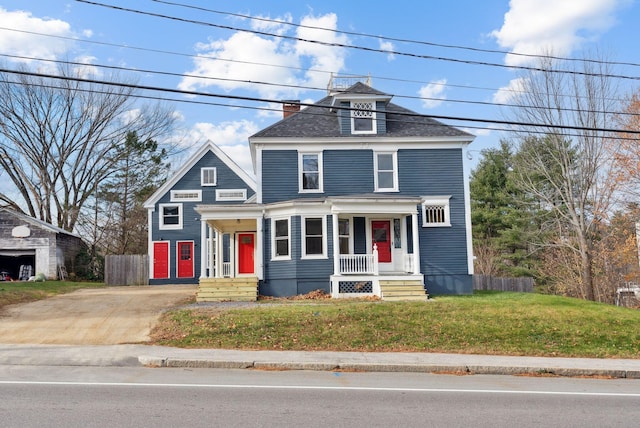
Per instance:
{"type": "Point", "coordinates": [381, 233]}
{"type": "Point", "coordinates": [185, 259]}
{"type": "Point", "coordinates": [161, 259]}
{"type": "Point", "coordinates": [246, 251]}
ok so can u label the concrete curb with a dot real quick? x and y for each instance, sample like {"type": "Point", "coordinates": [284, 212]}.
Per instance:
{"type": "Point", "coordinates": [150, 361]}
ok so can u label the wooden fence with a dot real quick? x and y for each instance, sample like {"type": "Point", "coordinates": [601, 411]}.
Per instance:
{"type": "Point", "coordinates": [488, 282]}
{"type": "Point", "coordinates": [126, 270]}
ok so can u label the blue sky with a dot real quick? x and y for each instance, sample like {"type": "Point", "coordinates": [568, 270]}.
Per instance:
{"type": "Point", "coordinates": [99, 35]}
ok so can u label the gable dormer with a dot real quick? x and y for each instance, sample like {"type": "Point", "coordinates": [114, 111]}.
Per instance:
{"type": "Point", "coordinates": [361, 110]}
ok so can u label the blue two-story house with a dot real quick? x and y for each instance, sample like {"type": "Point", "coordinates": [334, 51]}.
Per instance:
{"type": "Point", "coordinates": [353, 195]}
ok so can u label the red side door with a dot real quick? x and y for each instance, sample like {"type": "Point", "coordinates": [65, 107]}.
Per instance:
{"type": "Point", "coordinates": [246, 250]}
{"type": "Point", "coordinates": [185, 259]}
{"type": "Point", "coordinates": [381, 233]}
{"type": "Point", "coordinates": [161, 259]}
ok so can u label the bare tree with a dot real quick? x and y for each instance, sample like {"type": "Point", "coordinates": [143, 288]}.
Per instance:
{"type": "Point", "coordinates": [60, 135]}
{"type": "Point", "coordinates": [562, 161]}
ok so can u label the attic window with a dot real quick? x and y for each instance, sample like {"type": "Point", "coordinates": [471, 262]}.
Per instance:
{"type": "Point", "coordinates": [231, 195]}
{"type": "Point", "coordinates": [208, 176]}
{"type": "Point", "coordinates": [363, 118]}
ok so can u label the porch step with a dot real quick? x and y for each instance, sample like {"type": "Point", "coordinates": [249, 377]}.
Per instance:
{"type": "Point", "coordinates": [403, 290]}
{"type": "Point", "coordinates": [227, 290]}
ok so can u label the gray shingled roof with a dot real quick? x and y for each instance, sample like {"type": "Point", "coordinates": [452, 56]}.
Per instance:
{"type": "Point", "coordinates": [320, 120]}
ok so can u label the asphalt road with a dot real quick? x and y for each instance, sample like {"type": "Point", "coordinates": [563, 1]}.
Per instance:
{"type": "Point", "coordinates": [105, 316]}
{"type": "Point", "coordinates": [143, 397]}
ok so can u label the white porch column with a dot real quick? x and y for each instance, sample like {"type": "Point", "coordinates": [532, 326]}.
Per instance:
{"type": "Point", "coordinates": [203, 248]}
{"type": "Point", "coordinates": [259, 248]}
{"type": "Point", "coordinates": [212, 249]}
{"type": "Point", "coordinates": [336, 244]}
{"type": "Point", "coordinates": [219, 253]}
{"type": "Point", "coordinates": [416, 243]}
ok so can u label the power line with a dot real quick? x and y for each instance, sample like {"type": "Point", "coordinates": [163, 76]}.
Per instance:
{"type": "Point", "coordinates": [303, 104]}
{"type": "Point", "coordinates": [254, 82]}
{"type": "Point", "coordinates": [363, 48]}
{"type": "Point", "coordinates": [395, 39]}
{"type": "Point", "coordinates": [217, 58]}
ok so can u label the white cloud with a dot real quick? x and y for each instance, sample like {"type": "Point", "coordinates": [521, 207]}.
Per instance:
{"type": "Point", "coordinates": [433, 93]}
{"type": "Point", "coordinates": [387, 46]}
{"type": "Point", "coordinates": [22, 43]}
{"type": "Point", "coordinates": [323, 57]}
{"type": "Point", "coordinates": [245, 58]}
{"type": "Point", "coordinates": [536, 26]}
{"type": "Point", "coordinates": [506, 94]}
{"type": "Point", "coordinates": [232, 137]}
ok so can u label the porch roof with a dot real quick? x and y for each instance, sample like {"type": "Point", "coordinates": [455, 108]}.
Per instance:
{"type": "Point", "coordinates": [229, 211]}
{"type": "Point", "coordinates": [374, 204]}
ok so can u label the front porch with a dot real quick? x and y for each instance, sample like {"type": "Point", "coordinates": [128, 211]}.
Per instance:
{"type": "Point", "coordinates": [378, 248]}
{"type": "Point", "coordinates": [232, 258]}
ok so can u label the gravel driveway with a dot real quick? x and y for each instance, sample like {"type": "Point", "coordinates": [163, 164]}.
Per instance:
{"type": "Point", "coordinates": [100, 316]}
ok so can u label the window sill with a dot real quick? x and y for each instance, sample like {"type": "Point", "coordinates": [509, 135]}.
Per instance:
{"type": "Point", "coordinates": [436, 225]}
{"type": "Point", "coordinates": [318, 257]}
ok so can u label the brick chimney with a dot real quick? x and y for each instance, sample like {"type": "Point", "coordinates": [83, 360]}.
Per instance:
{"type": "Point", "coordinates": [290, 107]}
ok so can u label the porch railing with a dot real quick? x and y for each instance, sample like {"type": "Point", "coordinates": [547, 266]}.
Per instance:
{"type": "Point", "coordinates": [355, 264]}
{"type": "Point", "coordinates": [226, 269]}
{"type": "Point", "coordinates": [408, 263]}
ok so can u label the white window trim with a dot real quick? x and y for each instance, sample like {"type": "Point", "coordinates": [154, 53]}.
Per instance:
{"type": "Point", "coordinates": [175, 196]}
{"type": "Point", "coordinates": [374, 123]}
{"type": "Point", "coordinates": [350, 236]}
{"type": "Point", "coordinates": [436, 200]}
{"type": "Point", "coordinates": [221, 197]}
{"type": "Point", "coordinates": [303, 236]}
{"type": "Point", "coordinates": [273, 238]}
{"type": "Point", "coordinates": [301, 188]}
{"type": "Point", "coordinates": [395, 172]}
{"type": "Point", "coordinates": [161, 224]}
{"type": "Point", "coordinates": [215, 176]}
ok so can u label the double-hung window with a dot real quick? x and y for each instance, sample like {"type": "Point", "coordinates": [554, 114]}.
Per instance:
{"type": "Point", "coordinates": [386, 171]}
{"type": "Point", "coordinates": [170, 216]}
{"type": "Point", "coordinates": [310, 167]}
{"type": "Point", "coordinates": [363, 117]}
{"type": "Point", "coordinates": [314, 244]}
{"type": "Point", "coordinates": [280, 238]}
{"type": "Point", "coordinates": [344, 232]}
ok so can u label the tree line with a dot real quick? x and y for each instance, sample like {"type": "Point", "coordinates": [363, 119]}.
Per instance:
{"type": "Point", "coordinates": [558, 201]}
{"type": "Point", "coordinates": [82, 156]}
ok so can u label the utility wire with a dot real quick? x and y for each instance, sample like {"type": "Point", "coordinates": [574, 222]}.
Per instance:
{"type": "Point", "coordinates": [282, 85]}
{"type": "Point", "coordinates": [303, 104]}
{"type": "Point", "coordinates": [217, 58]}
{"type": "Point", "coordinates": [394, 39]}
{"type": "Point", "coordinates": [351, 46]}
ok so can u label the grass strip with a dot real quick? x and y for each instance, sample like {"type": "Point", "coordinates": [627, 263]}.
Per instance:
{"type": "Point", "coordinates": [485, 323]}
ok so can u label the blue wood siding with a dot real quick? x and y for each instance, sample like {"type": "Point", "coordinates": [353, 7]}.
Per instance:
{"type": "Point", "coordinates": [347, 172]}
{"type": "Point", "coordinates": [226, 179]}
{"type": "Point", "coordinates": [280, 176]}
{"type": "Point", "coordinates": [296, 276]}
{"type": "Point", "coordinates": [345, 118]}
{"type": "Point", "coordinates": [381, 118]}
{"type": "Point", "coordinates": [443, 250]}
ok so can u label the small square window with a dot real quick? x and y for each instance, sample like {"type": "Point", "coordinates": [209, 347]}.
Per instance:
{"type": "Point", "coordinates": [363, 118]}
{"type": "Point", "coordinates": [208, 176]}
{"type": "Point", "coordinates": [435, 212]}
{"type": "Point", "coordinates": [170, 216]}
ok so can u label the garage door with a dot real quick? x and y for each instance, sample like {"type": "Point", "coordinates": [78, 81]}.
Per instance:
{"type": "Point", "coordinates": [18, 263]}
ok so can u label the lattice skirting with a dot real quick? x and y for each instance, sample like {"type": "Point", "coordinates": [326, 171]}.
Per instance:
{"type": "Point", "coordinates": [355, 287]}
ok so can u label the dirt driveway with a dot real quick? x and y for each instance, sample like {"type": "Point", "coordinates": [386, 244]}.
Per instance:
{"type": "Point", "coordinates": [101, 316]}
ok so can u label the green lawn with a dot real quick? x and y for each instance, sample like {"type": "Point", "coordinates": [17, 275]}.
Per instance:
{"type": "Point", "coordinates": [22, 292]}
{"type": "Point", "coordinates": [486, 323]}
